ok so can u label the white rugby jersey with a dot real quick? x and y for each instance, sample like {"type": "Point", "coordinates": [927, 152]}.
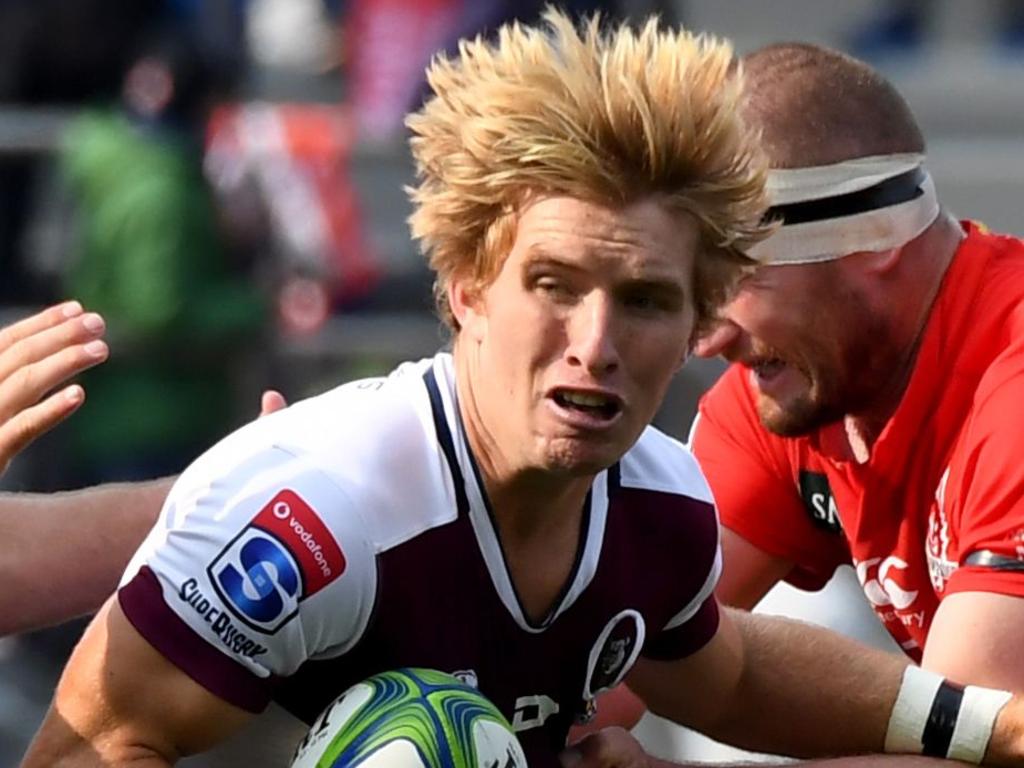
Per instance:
{"type": "Point", "coordinates": [350, 534]}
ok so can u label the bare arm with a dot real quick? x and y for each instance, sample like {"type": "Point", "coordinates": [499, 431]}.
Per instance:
{"type": "Point", "coordinates": [616, 748]}
{"type": "Point", "coordinates": [779, 686]}
{"type": "Point", "coordinates": [63, 553]}
{"type": "Point", "coordinates": [976, 638]}
{"type": "Point", "coordinates": [96, 530]}
{"type": "Point", "coordinates": [748, 573]}
{"type": "Point", "coordinates": [120, 702]}
{"type": "Point", "coordinates": [786, 687]}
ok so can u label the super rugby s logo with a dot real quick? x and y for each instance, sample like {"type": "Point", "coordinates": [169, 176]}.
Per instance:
{"type": "Point", "coordinates": [282, 557]}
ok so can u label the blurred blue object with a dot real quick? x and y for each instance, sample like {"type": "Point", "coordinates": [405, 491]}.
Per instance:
{"type": "Point", "coordinates": [898, 29]}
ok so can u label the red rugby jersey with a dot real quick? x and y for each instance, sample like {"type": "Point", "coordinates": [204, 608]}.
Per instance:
{"type": "Point", "coordinates": [939, 507]}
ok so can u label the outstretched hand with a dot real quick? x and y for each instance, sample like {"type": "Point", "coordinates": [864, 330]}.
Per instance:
{"type": "Point", "coordinates": [37, 355]}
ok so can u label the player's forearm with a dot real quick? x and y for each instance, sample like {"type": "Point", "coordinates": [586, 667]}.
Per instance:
{"type": "Point", "coordinates": [63, 553]}
{"type": "Point", "coordinates": [616, 748]}
{"type": "Point", "coordinates": [807, 692]}
{"type": "Point", "coordinates": [58, 746]}
{"type": "Point", "coordinates": [1006, 746]}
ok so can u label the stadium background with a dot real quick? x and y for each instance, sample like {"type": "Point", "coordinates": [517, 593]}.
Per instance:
{"type": "Point", "coordinates": [301, 134]}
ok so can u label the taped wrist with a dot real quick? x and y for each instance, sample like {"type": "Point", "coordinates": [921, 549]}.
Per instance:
{"type": "Point", "coordinates": [935, 717]}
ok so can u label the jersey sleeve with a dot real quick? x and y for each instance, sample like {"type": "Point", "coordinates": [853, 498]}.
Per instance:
{"type": "Point", "coordinates": [673, 523]}
{"type": "Point", "coordinates": [986, 489]}
{"type": "Point", "coordinates": [691, 628]}
{"type": "Point", "coordinates": [254, 567]}
{"type": "Point", "coordinates": [753, 484]}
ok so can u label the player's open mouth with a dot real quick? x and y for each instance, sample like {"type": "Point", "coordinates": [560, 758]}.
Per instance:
{"type": "Point", "coordinates": [593, 404]}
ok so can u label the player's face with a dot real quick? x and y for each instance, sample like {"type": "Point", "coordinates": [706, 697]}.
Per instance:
{"type": "Point", "coordinates": [570, 349]}
{"type": "Point", "coordinates": [810, 341]}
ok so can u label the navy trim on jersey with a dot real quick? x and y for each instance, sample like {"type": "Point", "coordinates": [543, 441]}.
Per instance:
{"type": "Point", "coordinates": [614, 480]}
{"type": "Point", "coordinates": [444, 437]}
{"type": "Point", "coordinates": [581, 545]}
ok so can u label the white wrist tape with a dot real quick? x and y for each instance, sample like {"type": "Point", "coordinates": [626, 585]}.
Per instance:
{"type": "Point", "coordinates": [910, 712]}
{"type": "Point", "coordinates": [974, 727]}
{"type": "Point", "coordinates": [934, 717]}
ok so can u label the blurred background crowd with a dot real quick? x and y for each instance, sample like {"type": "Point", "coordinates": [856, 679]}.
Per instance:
{"type": "Point", "coordinates": [223, 181]}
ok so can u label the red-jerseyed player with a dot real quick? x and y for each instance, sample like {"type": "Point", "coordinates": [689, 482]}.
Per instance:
{"type": "Point", "coordinates": [873, 413]}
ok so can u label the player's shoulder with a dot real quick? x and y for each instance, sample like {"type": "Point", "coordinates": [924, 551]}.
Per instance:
{"type": "Point", "coordinates": [659, 462]}
{"type": "Point", "coordinates": [370, 443]}
{"type": "Point", "coordinates": [345, 422]}
{"type": "Point", "coordinates": [357, 413]}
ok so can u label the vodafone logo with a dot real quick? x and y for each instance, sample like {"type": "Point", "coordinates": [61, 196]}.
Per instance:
{"type": "Point", "coordinates": [284, 555]}
{"type": "Point", "coordinates": [282, 511]}
{"type": "Point", "coordinates": [296, 524]}
{"type": "Point", "coordinates": [876, 576]}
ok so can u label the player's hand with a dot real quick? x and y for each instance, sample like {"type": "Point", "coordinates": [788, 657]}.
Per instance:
{"type": "Point", "coordinates": [619, 706]}
{"type": "Point", "coordinates": [609, 748]}
{"type": "Point", "coordinates": [272, 401]}
{"type": "Point", "coordinates": [37, 355]}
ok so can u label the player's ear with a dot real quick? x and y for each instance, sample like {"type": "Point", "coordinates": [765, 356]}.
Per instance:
{"type": "Point", "coordinates": [467, 305]}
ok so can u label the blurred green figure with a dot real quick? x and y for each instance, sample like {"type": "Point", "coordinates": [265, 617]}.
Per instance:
{"type": "Point", "coordinates": [153, 260]}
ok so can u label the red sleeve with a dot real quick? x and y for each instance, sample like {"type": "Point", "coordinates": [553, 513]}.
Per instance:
{"type": "Point", "coordinates": [985, 490]}
{"type": "Point", "coordinates": [754, 484]}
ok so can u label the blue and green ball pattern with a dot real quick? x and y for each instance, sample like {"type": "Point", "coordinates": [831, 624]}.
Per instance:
{"type": "Point", "coordinates": [433, 711]}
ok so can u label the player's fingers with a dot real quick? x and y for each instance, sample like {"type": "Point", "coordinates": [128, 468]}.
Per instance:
{"type": "Point", "coordinates": [40, 321]}
{"type": "Point", "coordinates": [272, 401]}
{"type": "Point", "coordinates": [25, 386]}
{"type": "Point", "coordinates": [48, 341]}
{"type": "Point", "coordinates": [610, 748]}
{"type": "Point", "coordinates": [26, 426]}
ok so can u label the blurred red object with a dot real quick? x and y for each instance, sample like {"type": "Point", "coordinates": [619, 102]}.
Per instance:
{"type": "Point", "coordinates": [298, 155]}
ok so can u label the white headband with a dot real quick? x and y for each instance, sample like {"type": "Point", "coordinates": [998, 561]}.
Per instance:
{"type": "Point", "coordinates": [832, 236]}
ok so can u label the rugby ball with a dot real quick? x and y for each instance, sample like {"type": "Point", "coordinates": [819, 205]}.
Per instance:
{"type": "Point", "coordinates": [410, 718]}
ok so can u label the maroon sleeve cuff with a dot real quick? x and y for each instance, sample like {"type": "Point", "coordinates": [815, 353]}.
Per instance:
{"type": "Point", "coordinates": [143, 603]}
{"type": "Point", "coordinates": [688, 638]}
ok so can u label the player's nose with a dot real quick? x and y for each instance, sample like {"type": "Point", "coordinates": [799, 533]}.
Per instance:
{"type": "Point", "coordinates": [592, 335]}
{"type": "Point", "coordinates": [716, 338]}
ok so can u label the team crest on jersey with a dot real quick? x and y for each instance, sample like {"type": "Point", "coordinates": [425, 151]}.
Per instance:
{"type": "Point", "coordinates": [284, 555]}
{"type": "Point", "coordinates": [940, 566]}
{"type": "Point", "coordinates": [819, 502]}
{"type": "Point", "coordinates": [613, 654]}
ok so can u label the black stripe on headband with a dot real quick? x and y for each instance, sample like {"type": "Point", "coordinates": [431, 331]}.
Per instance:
{"type": "Point", "coordinates": [898, 189]}
{"type": "Point", "coordinates": [938, 731]}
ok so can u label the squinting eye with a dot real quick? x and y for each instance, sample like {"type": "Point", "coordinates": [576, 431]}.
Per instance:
{"type": "Point", "coordinates": [641, 301]}
{"type": "Point", "coordinates": [554, 288]}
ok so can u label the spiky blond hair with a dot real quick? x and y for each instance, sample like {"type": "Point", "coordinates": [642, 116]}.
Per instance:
{"type": "Point", "coordinates": [607, 115]}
